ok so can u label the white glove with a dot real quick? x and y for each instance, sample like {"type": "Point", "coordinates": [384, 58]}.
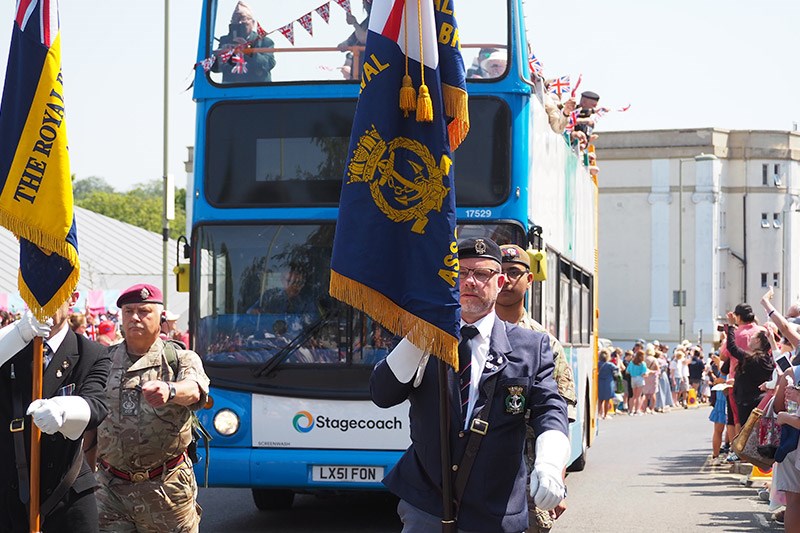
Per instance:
{"type": "Point", "coordinates": [547, 481]}
{"type": "Point", "coordinates": [16, 336]}
{"type": "Point", "coordinates": [404, 360]}
{"type": "Point", "coordinates": [46, 414]}
{"type": "Point", "coordinates": [28, 327]}
{"type": "Point", "coordinates": [67, 414]}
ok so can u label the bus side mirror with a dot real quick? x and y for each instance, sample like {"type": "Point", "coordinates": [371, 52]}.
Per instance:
{"type": "Point", "coordinates": [538, 264]}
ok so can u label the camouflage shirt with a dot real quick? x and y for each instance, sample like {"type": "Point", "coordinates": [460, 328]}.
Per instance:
{"type": "Point", "coordinates": [562, 372]}
{"type": "Point", "coordinates": [136, 436]}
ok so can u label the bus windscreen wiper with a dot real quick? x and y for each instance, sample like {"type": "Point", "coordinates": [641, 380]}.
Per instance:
{"type": "Point", "coordinates": [326, 315]}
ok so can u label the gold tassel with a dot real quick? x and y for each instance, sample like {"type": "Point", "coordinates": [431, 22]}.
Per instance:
{"type": "Point", "coordinates": [424, 105]}
{"type": "Point", "coordinates": [408, 96]}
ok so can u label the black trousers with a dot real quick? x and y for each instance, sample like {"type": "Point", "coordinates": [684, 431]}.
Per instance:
{"type": "Point", "coordinates": [75, 513]}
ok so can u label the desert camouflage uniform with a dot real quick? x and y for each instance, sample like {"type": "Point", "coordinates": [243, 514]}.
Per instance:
{"type": "Point", "coordinates": [145, 439]}
{"type": "Point", "coordinates": [562, 373]}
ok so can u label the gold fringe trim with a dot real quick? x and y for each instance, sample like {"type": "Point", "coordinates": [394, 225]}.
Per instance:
{"type": "Point", "coordinates": [399, 321]}
{"type": "Point", "coordinates": [456, 103]}
{"type": "Point", "coordinates": [52, 244]}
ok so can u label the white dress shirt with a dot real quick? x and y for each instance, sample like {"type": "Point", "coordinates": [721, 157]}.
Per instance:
{"type": "Point", "coordinates": [480, 351]}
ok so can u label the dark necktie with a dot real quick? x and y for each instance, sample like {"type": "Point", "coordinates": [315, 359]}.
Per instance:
{"type": "Point", "coordinates": [465, 366]}
{"type": "Point", "coordinates": [47, 354]}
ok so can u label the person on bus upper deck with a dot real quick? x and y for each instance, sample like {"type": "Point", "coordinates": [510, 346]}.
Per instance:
{"type": "Point", "coordinates": [360, 29]}
{"type": "Point", "coordinates": [586, 110]}
{"type": "Point", "coordinates": [511, 308]}
{"type": "Point", "coordinates": [244, 67]}
{"type": "Point", "coordinates": [495, 65]}
{"type": "Point", "coordinates": [146, 478]}
{"type": "Point", "coordinates": [517, 364]}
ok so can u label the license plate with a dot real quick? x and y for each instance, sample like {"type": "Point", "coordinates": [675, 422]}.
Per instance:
{"type": "Point", "coordinates": [351, 474]}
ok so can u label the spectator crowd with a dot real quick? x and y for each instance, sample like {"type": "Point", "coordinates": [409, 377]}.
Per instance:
{"type": "Point", "coordinates": [753, 375]}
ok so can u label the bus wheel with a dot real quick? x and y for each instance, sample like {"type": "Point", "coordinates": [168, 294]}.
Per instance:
{"type": "Point", "coordinates": [273, 500]}
{"type": "Point", "coordinates": [580, 462]}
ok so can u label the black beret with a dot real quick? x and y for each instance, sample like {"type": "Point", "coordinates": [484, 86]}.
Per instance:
{"type": "Point", "coordinates": [590, 95]}
{"type": "Point", "coordinates": [479, 248]}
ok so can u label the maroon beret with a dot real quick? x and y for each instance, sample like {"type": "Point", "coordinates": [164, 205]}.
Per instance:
{"type": "Point", "coordinates": [141, 293]}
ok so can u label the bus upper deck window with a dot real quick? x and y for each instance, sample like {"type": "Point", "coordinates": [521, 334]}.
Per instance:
{"type": "Point", "coordinates": [262, 41]}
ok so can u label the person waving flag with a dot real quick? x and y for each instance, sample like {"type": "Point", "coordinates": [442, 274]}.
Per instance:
{"type": "Point", "coordinates": [36, 189]}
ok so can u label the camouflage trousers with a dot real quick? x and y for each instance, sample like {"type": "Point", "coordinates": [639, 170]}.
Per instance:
{"type": "Point", "coordinates": [164, 504]}
{"type": "Point", "coordinates": [540, 520]}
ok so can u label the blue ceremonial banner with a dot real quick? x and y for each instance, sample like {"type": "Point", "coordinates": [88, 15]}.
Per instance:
{"type": "Point", "coordinates": [395, 254]}
{"type": "Point", "coordinates": [35, 183]}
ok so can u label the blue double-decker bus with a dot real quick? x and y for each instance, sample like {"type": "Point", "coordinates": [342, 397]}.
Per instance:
{"type": "Point", "coordinates": [290, 409]}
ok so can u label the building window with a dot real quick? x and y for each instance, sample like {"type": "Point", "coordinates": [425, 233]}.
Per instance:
{"type": "Point", "coordinates": [776, 278]}
{"type": "Point", "coordinates": [764, 220]}
{"type": "Point", "coordinates": [723, 220]}
{"type": "Point", "coordinates": [764, 174]}
{"type": "Point", "coordinates": [776, 220]}
{"type": "Point", "coordinates": [764, 279]}
{"type": "Point", "coordinates": [776, 175]}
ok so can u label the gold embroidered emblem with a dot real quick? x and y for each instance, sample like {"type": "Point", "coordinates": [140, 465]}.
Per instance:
{"type": "Point", "coordinates": [400, 198]}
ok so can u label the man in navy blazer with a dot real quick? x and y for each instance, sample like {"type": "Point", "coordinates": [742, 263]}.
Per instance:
{"type": "Point", "coordinates": [521, 362]}
{"type": "Point", "coordinates": [73, 392]}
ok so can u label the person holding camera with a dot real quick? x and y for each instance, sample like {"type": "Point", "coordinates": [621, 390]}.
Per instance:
{"type": "Point", "coordinates": [234, 57]}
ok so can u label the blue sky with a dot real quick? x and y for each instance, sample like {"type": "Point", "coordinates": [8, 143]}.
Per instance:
{"type": "Point", "coordinates": [679, 63]}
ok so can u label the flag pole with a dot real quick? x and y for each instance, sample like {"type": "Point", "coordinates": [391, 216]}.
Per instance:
{"type": "Point", "coordinates": [449, 524]}
{"type": "Point", "coordinates": [36, 438]}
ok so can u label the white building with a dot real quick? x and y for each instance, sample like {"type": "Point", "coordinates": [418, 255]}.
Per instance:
{"type": "Point", "coordinates": [710, 212]}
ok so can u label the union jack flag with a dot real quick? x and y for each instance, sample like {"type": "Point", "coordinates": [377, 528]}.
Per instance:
{"type": "Point", "coordinates": [560, 86]}
{"type": "Point", "coordinates": [239, 64]}
{"type": "Point", "coordinates": [535, 65]}
{"type": "Point", "coordinates": [573, 119]}
{"type": "Point", "coordinates": [48, 18]}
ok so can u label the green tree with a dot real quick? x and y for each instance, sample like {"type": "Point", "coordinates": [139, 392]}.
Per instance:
{"type": "Point", "coordinates": [84, 187]}
{"type": "Point", "coordinates": [141, 206]}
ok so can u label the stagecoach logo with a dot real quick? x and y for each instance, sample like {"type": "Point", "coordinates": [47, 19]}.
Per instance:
{"type": "Point", "coordinates": [303, 422]}
{"type": "Point", "coordinates": [401, 198]}
{"type": "Point", "coordinates": [515, 401]}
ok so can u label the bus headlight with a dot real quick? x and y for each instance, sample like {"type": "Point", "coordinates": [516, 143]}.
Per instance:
{"type": "Point", "coordinates": [226, 422]}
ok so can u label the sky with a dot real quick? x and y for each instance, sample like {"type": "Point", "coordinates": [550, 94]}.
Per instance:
{"type": "Point", "coordinates": [728, 64]}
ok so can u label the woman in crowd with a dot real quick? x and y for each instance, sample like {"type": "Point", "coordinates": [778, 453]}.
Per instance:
{"type": "Point", "coordinates": [680, 377]}
{"type": "Point", "coordinates": [754, 368]}
{"type": "Point", "coordinates": [664, 397]}
{"type": "Point", "coordinates": [718, 415]}
{"type": "Point", "coordinates": [637, 370]}
{"type": "Point", "coordinates": [628, 394]}
{"type": "Point", "coordinates": [606, 374]}
{"type": "Point", "coordinates": [77, 323]}
{"type": "Point", "coordinates": [650, 381]}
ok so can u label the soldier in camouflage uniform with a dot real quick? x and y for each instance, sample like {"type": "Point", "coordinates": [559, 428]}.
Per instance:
{"type": "Point", "coordinates": [511, 308]}
{"type": "Point", "coordinates": [146, 478]}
